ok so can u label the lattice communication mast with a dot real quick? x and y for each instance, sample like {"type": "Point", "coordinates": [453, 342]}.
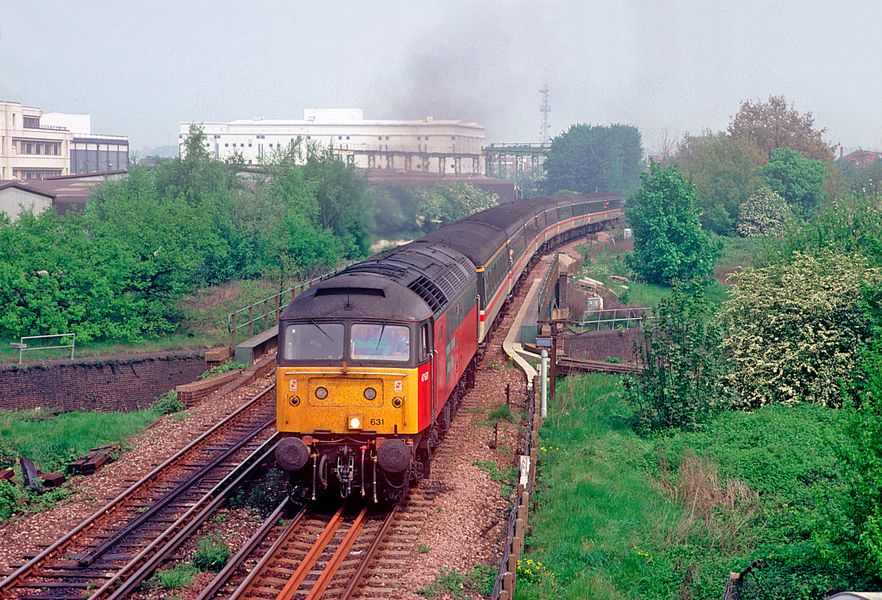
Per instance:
{"type": "Point", "coordinates": [544, 110]}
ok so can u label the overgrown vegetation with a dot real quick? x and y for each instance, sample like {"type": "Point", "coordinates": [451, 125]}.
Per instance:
{"type": "Point", "coordinates": [620, 515]}
{"type": "Point", "coordinates": [479, 580]}
{"type": "Point", "coordinates": [211, 554]}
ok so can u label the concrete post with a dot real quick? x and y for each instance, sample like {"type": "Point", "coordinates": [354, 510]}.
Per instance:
{"type": "Point", "coordinates": [543, 376]}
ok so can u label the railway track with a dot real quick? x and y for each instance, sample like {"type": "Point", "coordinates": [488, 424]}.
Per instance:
{"type": "Point", "coordinates": [117, 547]}
{"type": "Point", "coordinates": [311, 555]}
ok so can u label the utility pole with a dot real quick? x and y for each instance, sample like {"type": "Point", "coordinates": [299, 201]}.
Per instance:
{"type": "Point", "coordinates": [544, 111]}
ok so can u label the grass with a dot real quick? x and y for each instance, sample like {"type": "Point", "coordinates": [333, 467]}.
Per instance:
{"type": "Point", "coordinates": [621, 516]}
{"type": "Point", "coordinates": [51, 441]}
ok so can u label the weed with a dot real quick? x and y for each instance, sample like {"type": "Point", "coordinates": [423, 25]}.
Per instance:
{"type": "Point", "coordinates": [174, 579]}
{"type": "Point", "coordinates": [225, 367]}
{"type": "Point", "coordinates": [479, 580]}
{"type": "Point", "coordinates": [168, 403]}
{"type": "Point", "coordinates": [495, 366]}
{"type": "Point", "coordinates": [496, 474]}
{"type": "Point", "coordinates": [501, 413]}
{"type": "Point", "coordinates": [612, 360]}
{"type": "Point", "coordinates": [180, 416]}
{"type": "Point", "coordinates": [220, 516]}
{"type": "Point", "coordinates": [482, 578]}
{"type": "Point", "coordinates": [211, 554]}
{"type": "Point", "coordinates": [424, 549]}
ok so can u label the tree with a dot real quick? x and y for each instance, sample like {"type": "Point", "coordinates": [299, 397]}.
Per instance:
{"type": "Point", "coordinates": [679, 384]}
{"type": "Point", "coordinates": [344, 198]}
{"type": "Point", "coordinates": [449, 202]}
{"type": "Point", "coordinates": [766, 126]}
{"type": "Point", "coordinates": [798, 179]}
{"type": "Point", "coordinates": [591, 158]}
{"type": "Point", "coordinates": [723, 169]}
{"type": "Point", "coordinates": [764, 213]}
{"type": "Point", "coordinates": [795, 329]}
{"type": "Point", "coordinates": [668, 240]}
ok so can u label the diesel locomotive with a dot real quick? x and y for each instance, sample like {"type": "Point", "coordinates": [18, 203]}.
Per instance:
{"type": "Point", "coordinates": [373, 362]}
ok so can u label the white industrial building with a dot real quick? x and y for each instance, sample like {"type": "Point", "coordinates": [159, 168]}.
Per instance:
{"type": "Point", "coordinates": [37, 145]}
{"type": "Point", "coordinates": [428, 146]}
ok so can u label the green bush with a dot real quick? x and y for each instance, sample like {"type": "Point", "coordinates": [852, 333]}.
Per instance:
{"type": "Point", "coordinates": [169, 403]}
{"type": "Point", "coordinates": [211, 554]}
{"type": "Point", "coordinates": [10, 500]}
{"type": "Point", "coordinates": [679, 385]}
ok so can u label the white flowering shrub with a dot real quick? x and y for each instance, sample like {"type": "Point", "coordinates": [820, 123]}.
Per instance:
{"type": "Point", "coordinates": [795, 330]}
{"type": "Point", "coordinates": [764, 212]}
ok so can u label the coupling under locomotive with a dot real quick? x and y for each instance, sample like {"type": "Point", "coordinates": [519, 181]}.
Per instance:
{"type": "Point", "coordinates": [368, 366]}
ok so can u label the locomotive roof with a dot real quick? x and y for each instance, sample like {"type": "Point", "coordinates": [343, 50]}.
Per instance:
{"type": "Point", "coordinates": [358, 295]}
{"type": "Point", "coordinates": [432, 270]}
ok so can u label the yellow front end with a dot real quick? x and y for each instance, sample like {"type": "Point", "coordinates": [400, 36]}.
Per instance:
{"type": "Point", "coordinates": [323, 399]}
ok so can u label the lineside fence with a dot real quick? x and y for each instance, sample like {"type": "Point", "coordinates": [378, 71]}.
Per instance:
{"type": "Point", "coordinates": [613, 318]}
{"type": "Point", "coordinates": [506, 579]}
{"type": "Point", "coordinates": [264, 313]}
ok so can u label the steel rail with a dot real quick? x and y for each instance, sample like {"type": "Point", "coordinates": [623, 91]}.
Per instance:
{"type": "Point", "coordinates": [321, 584]}
{"type": "Point", "coordinates": [221, 579]}
{"type": "Point", "coordinates": [290, 590]}
{"type": "Point", "coordinates": [369, 555]}
{"type": "Point", "coordinates": [185, 525]}
{"type": "Point", "coordinates": [60, 544]}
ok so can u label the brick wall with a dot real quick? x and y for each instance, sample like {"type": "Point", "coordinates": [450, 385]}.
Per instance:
{"type": "Point", "coordinates": [601, 344]}
{"type": "Point", "coordinates": [120, 383]}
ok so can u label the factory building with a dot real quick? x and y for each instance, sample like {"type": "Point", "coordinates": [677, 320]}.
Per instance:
{"type": "Point", "coordinates": [427, 146]}
{"type": "Point", "coordinates": [37, 145]}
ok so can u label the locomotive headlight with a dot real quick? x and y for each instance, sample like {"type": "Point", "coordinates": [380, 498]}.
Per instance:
{"type": "Point", "coordinates": [397, 401]}
{"type": "Point", "coordinates": [354, 422]}
{"type": "Point", "coordinates": [294, 400]}
{"type": "Point", "coordinates": [321, 392]}
{"type": "Point", "coordinates": [370, 393]}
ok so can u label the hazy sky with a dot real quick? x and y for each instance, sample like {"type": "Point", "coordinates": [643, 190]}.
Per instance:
{"type": "Point", "coordinates": [666, 66]}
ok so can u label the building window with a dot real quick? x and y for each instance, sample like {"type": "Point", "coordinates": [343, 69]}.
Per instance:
{"type": "Point", "coordinates": [226, 145]}
{"type": "Point", "coordinates": [249, 144]}
{"type": "Point", "coordinates": [260, 137]}
{"type": "Point", "coordinates": [347, 137]}
{"type": "Point", "coordinates": [339, 137]}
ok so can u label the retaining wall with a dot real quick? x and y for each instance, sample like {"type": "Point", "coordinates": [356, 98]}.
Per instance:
{"type": "Point", "coordinates": [123, 383]}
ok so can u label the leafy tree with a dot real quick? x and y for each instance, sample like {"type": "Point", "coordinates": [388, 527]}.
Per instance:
{"type": "Point", "coordinates": [795, 330]}
{"type": "Point", "coordinates": [767, 126]}
{"type": "Point", "coordinates": [449, 202]}
{"type": "Point", "coordinates": [764, 213]}
{"type": "Point", "coordinates": [668, 240]}
{"type": "Point", "coordinates": [344, 199]}
{"type": "Point", "coordinates": [798, 179]}
{"type": "Point", "coordinates": [723, 169]}
{"type": "Point", "coordinates": [591, 158]}
{"type": "Point", "coordinates": [679, 385]}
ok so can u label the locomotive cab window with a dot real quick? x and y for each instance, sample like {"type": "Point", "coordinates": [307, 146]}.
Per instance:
{"type": "Point", "coordinates": [425, 346]}
{"type": "Point", "coordinates": [376, 341]}
{"type": "Point", "coordinates": [314, 341]}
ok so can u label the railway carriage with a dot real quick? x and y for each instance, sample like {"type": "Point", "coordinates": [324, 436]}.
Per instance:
{"type": "Point", "coordinates": [372, 363]}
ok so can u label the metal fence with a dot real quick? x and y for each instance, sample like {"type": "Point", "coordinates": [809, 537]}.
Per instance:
{"type": "Point", "coordinates": [264, 313]}
{"type": "Point", "coordinates": [613, 318]}
{"type": "Point", "coordinates": [22, 346]}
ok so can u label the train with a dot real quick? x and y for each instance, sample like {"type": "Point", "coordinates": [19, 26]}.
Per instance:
{"type": "Point", "coordinates": [373, 362]}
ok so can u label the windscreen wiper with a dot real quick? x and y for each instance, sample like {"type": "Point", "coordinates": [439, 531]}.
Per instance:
{"type": "Point", "coordinates": [319, 327]}
{"type": "Point", "coordinates": [380, 339]}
